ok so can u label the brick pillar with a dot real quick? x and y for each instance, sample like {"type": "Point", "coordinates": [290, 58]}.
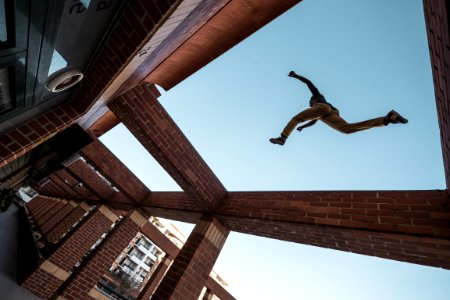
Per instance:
{"type": "Point", "coordinates": [59, 204]}
{"type": "Point", "coordinates": [208, 295]}
{"type": "Point", "coordinates": [155, 278]}
{"type": "Point", "coordinates": [58, 217]}
{"type": "Point", "coordinates": [82, 283]}
{"type": "Point", "coordinates": [54, 233]}
{"type": "Point", "coordinates": [33, 203]}
{"type": "Point", "coordinates": [190, 270]}
{"type": "Point", "coordinates": [43, 206]}
{"type": "Point", "coordinates": [141, 112]}
{"type": "Point", "coordinates": [53, 271]}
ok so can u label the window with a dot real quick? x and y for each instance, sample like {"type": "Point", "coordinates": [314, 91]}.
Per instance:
{"type": "Point", "coordinates": [144, 243]}
{"type": "Point", "coordinates": [138, 253]}
{"type": "Point", "coordinates": [5, 96]}
{"type": "Point", "coordinates": [143, 274]}
{"type": "Point", "coordinates": [156, 252]}
{"type": "Point", "coordinates": [131, 265]}
{"type": "Point", "coordinates": [6, 24]}
{"type": "Point", "coordinates": [149, 261]}
{"type": "Point", "coordinates": [3, 30]}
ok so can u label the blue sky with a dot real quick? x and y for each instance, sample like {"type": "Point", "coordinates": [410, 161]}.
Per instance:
{"type": "Point", "coordinates": [366, 57]}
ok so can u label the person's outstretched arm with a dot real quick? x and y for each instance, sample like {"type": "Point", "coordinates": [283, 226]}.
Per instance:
{"type": "Point", "coordinates": [311, 86]}
{"type": "Point", "coordinates": [309, 124]}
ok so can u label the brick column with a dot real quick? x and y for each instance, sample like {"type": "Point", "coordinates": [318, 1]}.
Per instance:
{"type": "Point", "coordinates": [147, 120]}
{"type": "Point", "coordinates": [59, 204]}
{"type": "Point", "coordinates": [33, 203]}
{"type": "Point", "coordinates": [155, 278]}
{"type": "Point", "coordinates": [53, 271]}
{"type": "Point", "coordinates": [190, 270]}
{"type": "Point", "coordinates": [66, 188]}
{"type": "Point", "coordinates": [208, 295]}
{"type": "Point", "coordinates": [45, 205]}
{"type": "Point", "coordinates": [79, 169]}
{"type": "Point", "coordinates": [82, 283]}
{"type": "Point", "coordinates": [439, 44]}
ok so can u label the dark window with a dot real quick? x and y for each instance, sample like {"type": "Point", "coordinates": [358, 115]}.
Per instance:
{"type": "Point", "coordinates": [6, 24]}
{"type": "Point", "coordinates": [6, 102]}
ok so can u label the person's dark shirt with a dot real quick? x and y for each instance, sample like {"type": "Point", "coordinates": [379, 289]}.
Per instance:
{"type": "Point", "coordinates": [317, 97]}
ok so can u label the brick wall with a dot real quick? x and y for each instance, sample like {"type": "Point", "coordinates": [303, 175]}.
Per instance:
{"type": "Point", "coordinates": [143, 115]}
{"type": "Point", "coordinates": [437, 22]}
{"type": "Point", "coordinates": [26, 137]}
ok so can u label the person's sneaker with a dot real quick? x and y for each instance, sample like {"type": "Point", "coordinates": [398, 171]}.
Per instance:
{"type": "Point", "coordinates": [278, 141]}
{"type": "Point", "coordinates": [394, 117]}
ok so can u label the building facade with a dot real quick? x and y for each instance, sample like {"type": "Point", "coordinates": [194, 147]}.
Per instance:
{"type": "Point", "coordinates": [56, 102]}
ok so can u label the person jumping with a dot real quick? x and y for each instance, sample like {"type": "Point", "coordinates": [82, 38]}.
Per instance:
{"type": "Point", "coordinates": [320, 109]}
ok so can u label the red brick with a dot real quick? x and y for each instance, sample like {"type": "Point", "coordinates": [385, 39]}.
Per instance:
{"type": "Point", "coordinates": [186, 280]}
{"type": "Point", "coordinates": [162, 139]}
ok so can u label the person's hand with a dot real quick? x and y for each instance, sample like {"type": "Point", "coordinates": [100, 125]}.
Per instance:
{"type": "Point", "coordinates": [291, 74]}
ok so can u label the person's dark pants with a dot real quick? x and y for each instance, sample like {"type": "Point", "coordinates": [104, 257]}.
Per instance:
{"type": "Point", "coordinates": [331, 117]}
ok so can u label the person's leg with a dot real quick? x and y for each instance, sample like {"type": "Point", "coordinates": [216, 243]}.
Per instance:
{"type": "Point", "coordinates": [336, 122]}
{"type": "Point", "coordinates": [313, 113]}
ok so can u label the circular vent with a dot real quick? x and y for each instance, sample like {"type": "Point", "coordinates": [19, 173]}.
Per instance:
{"type": "Point", "coordinates": [64, 80]}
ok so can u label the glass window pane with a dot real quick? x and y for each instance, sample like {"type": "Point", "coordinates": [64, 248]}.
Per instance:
{"type": "Point", "coordinates": [5, 96]}
{"type": "Point", "coordinates": [3, 32]}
